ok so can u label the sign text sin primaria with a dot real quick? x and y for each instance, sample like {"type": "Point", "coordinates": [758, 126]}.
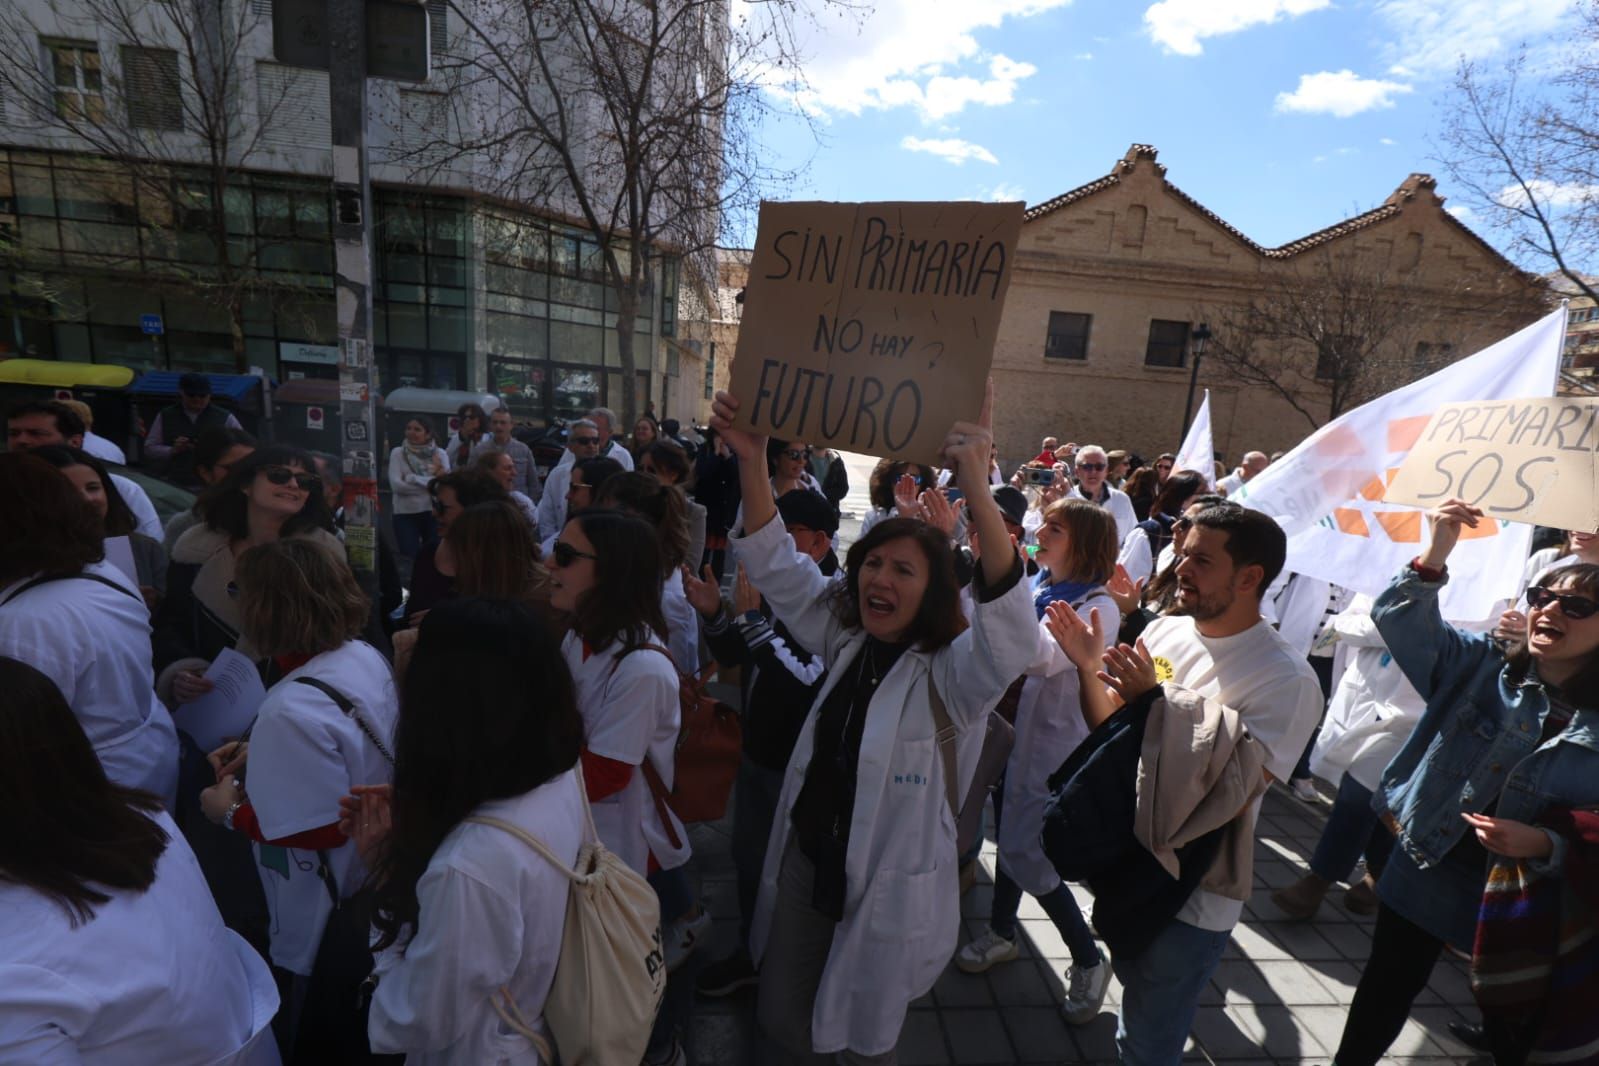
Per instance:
{"type": "Point", "coordinates": [890, 260]}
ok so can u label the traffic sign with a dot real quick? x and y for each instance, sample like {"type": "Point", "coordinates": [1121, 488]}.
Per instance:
{"type": "Point", "coordinates": [152, 325]}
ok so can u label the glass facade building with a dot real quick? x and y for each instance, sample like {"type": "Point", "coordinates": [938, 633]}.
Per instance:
{"type": "Point", "coordinates": [467, 295]}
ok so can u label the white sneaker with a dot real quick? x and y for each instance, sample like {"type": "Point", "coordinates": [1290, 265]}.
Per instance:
{"type": "Point", "coordinates": [1085, 992]}
{"type": "Point", "coordinates": [1304, 789]}
{"type": "Point", "coordinates": [990, 949]}
{"type": "Point", "coordinates": [680, 939]}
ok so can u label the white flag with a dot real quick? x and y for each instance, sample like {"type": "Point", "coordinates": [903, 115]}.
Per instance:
{"type": "Point", "coordinates": [1198, 453]}
{"type": "Point", "coordinates": [1327, 493]}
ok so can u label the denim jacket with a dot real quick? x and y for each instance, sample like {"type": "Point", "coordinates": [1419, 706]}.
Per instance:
{"type": "Point", "coordinates": [1477, 741]}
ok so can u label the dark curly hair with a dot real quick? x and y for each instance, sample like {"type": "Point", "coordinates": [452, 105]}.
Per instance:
{"type": "Point", "coordinates": [939, 619]}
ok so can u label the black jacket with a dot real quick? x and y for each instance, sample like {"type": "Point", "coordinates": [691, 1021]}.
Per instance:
{"type": "Point", "coordinates": [1088, 835]}
{"type": "Point", "coordinates": [781, 679]}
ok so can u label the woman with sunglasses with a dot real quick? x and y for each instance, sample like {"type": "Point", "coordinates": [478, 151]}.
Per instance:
{"type": "Point", "coordinates": [1506, 736]}
{"type": "Point", "coordinates": [886, 479]}
{"type": "Point", "coordinates": [326, 726]}
{"type": "Point", "coordinates": [859, 906]}
{"type": "Point", "coordinates": [472, 425]}
{"type": "Point", "coordinates": [269, 494]}
{"type": "Point", "coordinates": [605, 574]}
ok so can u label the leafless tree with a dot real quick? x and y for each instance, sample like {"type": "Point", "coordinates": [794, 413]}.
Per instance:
{"type": "Point", "coordinates": [639, 122]}
{"type": "Point", "coordinates": [1521, 142]}
{"type": "Point", "coordinates": [1328, 331]}
{"type": "Point", "coordinates": [158, 93]}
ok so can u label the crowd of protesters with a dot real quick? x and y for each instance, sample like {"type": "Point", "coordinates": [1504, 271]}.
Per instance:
{"type": "Point", "coordinates": [1099, 659]}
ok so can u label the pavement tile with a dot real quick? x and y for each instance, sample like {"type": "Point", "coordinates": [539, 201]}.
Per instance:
{"type": "Point", "coordinates": [1044, 938]}
{"type": "Point", "coordinates": [1238, 981]}
{"type": "Point", "coordinates": [1226, 1035]}
{"type": "Point", "coordinates": [1096, 1041]}
{"type": "Point", "coordinates": [1413, 1042]}
{"type": "Point", "coordinates": [1253, 942]}
{"type": "Point", "coordinates": [1326, 1024]}
{"type": "Point", "coordinates": [1294, 984]}
{"type": "Point", "coordinates": [1301, 941]}
{"type": "Point", "coordinates": [1283, 1035]}
{"type": "Point", "coordinates": [1435, 1021]}
{"type": "Point", "coordinates": [977, 1036]}
{"type": "Point", "coordinates": [921, 1043]}
{"type": "Point", "coordinates": [1352, 941]}
{"type": "Point", "coordinates": [1039, 1034]}
{"type": "Point", "coordinates": [1022, 984]}
{"type": "Point", "coordinates": [956, 989]}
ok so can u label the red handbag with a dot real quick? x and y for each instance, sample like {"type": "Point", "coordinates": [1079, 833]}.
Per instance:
{"type": "Point", "coordinates": [710, 743]}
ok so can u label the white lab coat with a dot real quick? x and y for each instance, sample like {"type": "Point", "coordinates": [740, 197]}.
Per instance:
{"type": "Point", "coordinates": [1120, 506]}
{"type": "Point", "coordinates": [1373, 709]}
{"type": "Point", "coordinates": [902, 898]}
{"type": "Point", "coordinates": [154, 976]}
{"type": "Point", "coordinates": [493, 911]}
{"type": "Point", "coordinates": [94, 643]}
{"type": "Point", "coordinates": [101, 448]}
{"type": "Point", "coordinates": [1049, 726]}
{"type": "Point", "coordinates": [145, 519]}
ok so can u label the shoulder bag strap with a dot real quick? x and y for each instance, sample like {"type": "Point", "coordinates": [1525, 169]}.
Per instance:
{"type": "Point", "coordinates": [945, 737]}
{"type": "Point", "coordinates": [80, 576]}
{"type": "Point", "coordinates": [348, 708]}
{"type": "Point", "coordinates": [527, 838]}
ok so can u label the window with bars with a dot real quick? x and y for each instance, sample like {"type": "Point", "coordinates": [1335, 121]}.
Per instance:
{"type": "Point", "coordinates": [710, 373]}
{"type": "Point", "coordinates": [1168, 343]}
{"type": "Point", "coordinates": [79, 89]}
{"type": "Point", "coordinates": [438, 27]}
{"type": "Point", "coordinates": [1068, 335]}
{"type": "Point", "coordinates": [151, 86]}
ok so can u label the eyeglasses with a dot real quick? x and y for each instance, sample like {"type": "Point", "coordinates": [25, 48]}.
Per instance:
{"type": "Point", "coordinates": [1571, 606]}
{"type": "Point", "coordinates": [282, 475]}
{"type": "Point", "coordinates": [797, 455]}
{"type": "Point", "coordinates": [586, 441]}
{"type": "Point", "coordinates": [1091, 466]}
{"type": "Point", "coordinates": [1182, 525]}
{"type": "Point", "coordinates": [564, 555]}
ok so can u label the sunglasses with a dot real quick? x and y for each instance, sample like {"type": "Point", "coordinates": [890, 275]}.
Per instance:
{"type": "Point", "coordinates": [282, 475]}
{"type": "Point", "coordinates": [1091, 466]}
{"type": "Point", "coordinates": [1182, 525]}
{"type": "Point", "coordinates": [1572, 606]}
{"type": "Point", "coordinates": [564, 555]}
{"type": "Point", "coordinates": [797, 455]}
{"type": "Point", "coordinates": [585, 440]}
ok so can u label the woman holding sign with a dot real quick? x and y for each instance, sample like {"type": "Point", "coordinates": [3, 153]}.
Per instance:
{"type": "Point", "coordinates": [1508, 737]}
{"type": "Point", "coordinates": [859, 901]}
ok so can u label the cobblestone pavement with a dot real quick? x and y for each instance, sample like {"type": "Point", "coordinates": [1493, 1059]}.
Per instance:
{"type": "Point", "coordinates": [1280, 995]}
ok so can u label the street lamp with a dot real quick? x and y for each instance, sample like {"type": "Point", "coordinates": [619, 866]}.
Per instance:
{"type": "Point", "coordinates": [1200, 336]}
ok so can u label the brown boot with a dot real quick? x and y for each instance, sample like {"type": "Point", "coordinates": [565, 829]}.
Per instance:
{"type": "Point", "coordinates": [1362, 896]}
{"type": "Point", "coordinates": [1301, 899]}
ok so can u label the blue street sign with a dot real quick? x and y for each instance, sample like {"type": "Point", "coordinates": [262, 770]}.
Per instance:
{"type": "Point", "coordinates": [151, 325]}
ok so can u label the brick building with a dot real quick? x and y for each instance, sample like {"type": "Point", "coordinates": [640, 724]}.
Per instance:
{"type": "Point", "coordinates": [1113, 276]}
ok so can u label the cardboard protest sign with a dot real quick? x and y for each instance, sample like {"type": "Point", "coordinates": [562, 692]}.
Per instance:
{"type": "Point", "coordinates": [870, 327]}
{"type": "Point", "coordinates": [1519, 460]}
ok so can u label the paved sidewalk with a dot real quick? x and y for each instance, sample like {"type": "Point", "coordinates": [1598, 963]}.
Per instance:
{"type": "Point", "coordinates": [1280, 995]}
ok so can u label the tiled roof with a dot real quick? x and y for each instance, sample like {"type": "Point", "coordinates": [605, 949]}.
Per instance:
{"type": "Point", "coordinates": [1391, 207]}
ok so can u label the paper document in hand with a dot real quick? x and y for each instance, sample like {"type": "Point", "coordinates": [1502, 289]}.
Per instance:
{"type": "Point", "coordinates": [227, 710]}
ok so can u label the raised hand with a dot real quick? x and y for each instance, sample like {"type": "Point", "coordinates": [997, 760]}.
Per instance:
{"type": "Point", "coordinates": [905, 497]}
{"type": "Point", "coordinates": [745, 597]}
{"type": "Point", "coordinates": [1127, 593]}
{"type": "Point", "coordinates": [705, 596]}
{"type": "Point", "coordinates": [746, 445]}
{"type": "Point", "coordinates": [1445, 523]}
{"type": "Point", "coordinates": [938, 512]}
{"type": "Point", "coordinates": [1081, 639]}
{"type": "Point", "coordinates": [1129, 670]}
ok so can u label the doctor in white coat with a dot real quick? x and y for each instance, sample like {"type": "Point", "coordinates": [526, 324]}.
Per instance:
{"type": "Point", "coordinates": [859, 901]}
{"type": "Point", "coordinates": [111, 949]}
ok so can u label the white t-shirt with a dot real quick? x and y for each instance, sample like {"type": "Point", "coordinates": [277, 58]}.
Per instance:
{"type": "Point", "coordinates": [101, 448]}
{"type": "Point", "coordinates": [492, 914]}
{"type": "Point", "coordinates": [154, 976]}
{"type": "Point", "coordinates": [305, 754]}
{"type": "Point", "coordinates": [1270, 685]}
{"type": "Point", "coordinates": [630, 711]}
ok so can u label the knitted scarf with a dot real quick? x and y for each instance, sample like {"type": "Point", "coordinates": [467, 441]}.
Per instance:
{"type": "Point", "coordinates": [1070, 592]}
{"type": "Point", "coordinates": [419, 457]}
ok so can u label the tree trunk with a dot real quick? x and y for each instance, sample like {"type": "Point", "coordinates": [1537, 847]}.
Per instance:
{"type": "Point", "coordinates": [627, 304]}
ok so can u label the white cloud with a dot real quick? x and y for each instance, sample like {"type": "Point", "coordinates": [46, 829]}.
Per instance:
{"type": "Point", "coordinates": [949, 149]}
{"type": "Point", "coordinates": [1004, 192]}
{"type": "Point", "coordinates": [1548, 194]}
{"type": "Point", "coordinates": [1387, 142]}
{"type": "Point", "coordinates": [1181, 25]}
{"type": "Point", "coordinates": [1431, 37]}
{"type": "Point", "coordinates": [1083, 55]}
{"type": "Point", "coordinates": [1341, 93]}
{"type": "Point", "coordinates": [1462, 212]}
{"type": "Point", "coordinates": [922, 54]}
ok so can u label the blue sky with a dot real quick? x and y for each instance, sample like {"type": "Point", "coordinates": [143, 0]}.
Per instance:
{"type": "Point", "coordinates": [1282, 116]}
